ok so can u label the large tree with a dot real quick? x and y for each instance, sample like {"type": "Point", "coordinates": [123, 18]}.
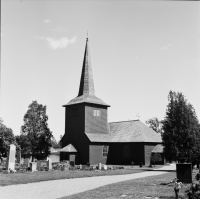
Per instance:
{"type": "Point", "coordinates": [35, 137]}
{"type": "Point", "coordinates": [6, 138]}
{"type": "Point", "coordinates": [155, 124]}
{"type": "Point", "coordinates": [181, 134]}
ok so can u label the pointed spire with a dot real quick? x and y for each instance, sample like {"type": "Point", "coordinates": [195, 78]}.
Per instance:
{"type": "Point", "coordinates": [86, 83]}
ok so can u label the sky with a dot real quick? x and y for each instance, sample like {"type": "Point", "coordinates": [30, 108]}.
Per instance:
{"type": "Point", "coordinates": [140, 50]}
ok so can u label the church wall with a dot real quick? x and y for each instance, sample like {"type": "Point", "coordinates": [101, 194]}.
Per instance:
{"type": "Point", "coordinates": [119, 156]}
{"type": "Point", "coordinates": [148, 147]}
{"type": "Point", "coordinates": [96, 154]}
{"type": "Point", "coordinates": [96, 124]}
{"type": "Point", "coordinates": [74, 132]}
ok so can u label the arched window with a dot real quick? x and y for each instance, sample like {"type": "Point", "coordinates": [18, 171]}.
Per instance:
{"type": "Point", "coordinates": [127, 153]}
{"type": "Point", "coordinates": [105, 151]}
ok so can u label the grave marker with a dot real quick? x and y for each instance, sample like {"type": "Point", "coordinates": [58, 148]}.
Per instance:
{"type": "Point", "coordinates": [33, 166]}
{"type": "Point", "coordinates": [49, 164]}
{"type": "Point", "coordinates": [11, 158]}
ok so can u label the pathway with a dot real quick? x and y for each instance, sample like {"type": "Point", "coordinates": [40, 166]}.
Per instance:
{"type": "Point", "coordinates": [65, 187]}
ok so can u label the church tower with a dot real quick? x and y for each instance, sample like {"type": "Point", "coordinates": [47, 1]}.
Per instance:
{"type": "Point", "coordinates": [85, 116]}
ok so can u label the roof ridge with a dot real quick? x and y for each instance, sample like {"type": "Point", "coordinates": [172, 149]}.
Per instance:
{"type": "Point", "coordinates": [124, 121]}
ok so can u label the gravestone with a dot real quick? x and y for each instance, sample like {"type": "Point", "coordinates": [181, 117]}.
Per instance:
{"type": "Point", "coordinates": [99, 166]}
{"type": "Point", "coordinates": [184, 172]}
{"type": "Point", "coordinates": [11, 158]}
{"type": "Point", "coordinates": [42, 163]}
{"type": "Point", "coordinates": [33, 166]}
{"type": "Point", "coordinates": [105, 167]}
{"type": "Point", "coordinates": [49, 164]}
{"type": "Point", "coordinates": [26, 162]}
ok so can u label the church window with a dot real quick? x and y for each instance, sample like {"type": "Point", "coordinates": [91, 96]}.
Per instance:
{"type": "Point", "coordinates": [126, 151]}
{"type": "Point", "coordinates": [105, 151]}
{"type": "Point", "coordinates": [97, 113]}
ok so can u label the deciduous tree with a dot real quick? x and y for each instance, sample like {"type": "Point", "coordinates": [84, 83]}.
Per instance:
{"type": "Point", "coordinates": [155, 124]}
{"type": "Point", "coordinates": [35, 134]}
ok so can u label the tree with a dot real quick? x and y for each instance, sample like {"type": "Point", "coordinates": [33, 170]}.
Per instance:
{"type": "Point", "coordinates": [155, 124]}
{"type": "Point", "coordinates": [181, 132]}
{"type": "Point", "coordinates": [6, 138]}
{"type": "Point", "coordinates": [35, 137]}
{"type": "Point", "coordinates": [55, 144]}
{"type": "Point", "coordinates": [155, 157]}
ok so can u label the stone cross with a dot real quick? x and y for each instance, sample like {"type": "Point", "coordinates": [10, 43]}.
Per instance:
{"type": "Point", "coordinates": [11, 158]}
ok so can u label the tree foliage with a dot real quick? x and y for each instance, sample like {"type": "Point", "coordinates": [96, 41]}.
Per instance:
{"type": "Point", "coordinates": [181, 132]}
{"type": "Point", "coordinates": [55, 144]}
{"type": "Point", "coordinates": [155, 157]}
{"type": "Point", "coordinates": [6, 138]}
{"type": "Point", "coordinates": [35, 137]}
{"type": "Point", "coordinates": [155, 124]}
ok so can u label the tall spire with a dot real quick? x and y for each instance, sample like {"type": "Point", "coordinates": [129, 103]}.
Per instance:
{"type": "Point", "coordinates": [86, 84]}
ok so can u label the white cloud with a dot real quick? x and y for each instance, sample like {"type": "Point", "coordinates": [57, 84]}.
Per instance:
{"type": "Point", "coordinates": [60, 29]}
{"type": "Point", "coordinates": [63, 42]}
{"type": "Point", "coordinates": [47, 21]}
{"type": "Point", "coordinates": [166, 47]}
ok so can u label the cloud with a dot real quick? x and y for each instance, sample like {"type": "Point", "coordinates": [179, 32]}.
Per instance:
{"type": "Point", "coordinates": [166, 47]}
{"type": "Point", "coordinates": [47, 21]}
{"type": "Point", "coordinates": [60, 29]}
{"type": "Point", "coordinates": [63, 42]}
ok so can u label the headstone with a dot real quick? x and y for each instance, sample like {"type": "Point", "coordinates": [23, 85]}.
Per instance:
{"type": "Point", "coordinates": [49, 164]}
{"type": "Point", "coordinates": [184, 172]}
{"type": "Point", "coordinates": [105, 167]}
{"type": "Point", "coordinates": [33, 166]}
{"type": "Point", "coordinates": [26, 162]}
{"type": "Point", "coordinates": [11, 158]}
{"type": "Point", "coordinates": [80, 167]}
{"type": "Point", "coordinates": [99, 166]}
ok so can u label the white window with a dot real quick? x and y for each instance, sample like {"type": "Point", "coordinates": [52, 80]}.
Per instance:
{"type": "Point", "coordinates": [105, 151]}
{"type": "Point", "coordinates": [97, 113]}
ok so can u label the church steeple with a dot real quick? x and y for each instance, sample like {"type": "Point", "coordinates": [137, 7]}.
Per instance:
{"type": "Point", "coordinates": [87, 83]}
{"type": "Point", "coordinates": [86, 92]}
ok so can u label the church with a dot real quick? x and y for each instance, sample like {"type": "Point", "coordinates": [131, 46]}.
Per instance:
{"type": "Point", "coordinates": [89, 138]}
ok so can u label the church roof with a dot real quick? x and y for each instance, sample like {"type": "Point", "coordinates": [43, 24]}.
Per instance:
{"type": "Point", "coordinates": [133, 131]}
{"type": "Point", "coordinates": [99, 137]}
{"type": "Point", "coordinates": [126, 131]}
{"type": "Point", "coordinates": [87, 99]}
{"type": "Point", "coordinates": [157, 149]}
{"type": "Point", "coordinates": [86, 89]}
{"type": "Point", "coordinates": [68, 148]}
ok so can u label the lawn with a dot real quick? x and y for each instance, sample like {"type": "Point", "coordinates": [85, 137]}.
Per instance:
{"type": "Point", "coordinates": [151, 187]}
{"type": "Point", "coordinates": [38, 176]}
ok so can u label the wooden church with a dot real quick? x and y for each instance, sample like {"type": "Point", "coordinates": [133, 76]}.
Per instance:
{"type": "Point", "coordinates": [93, 139]}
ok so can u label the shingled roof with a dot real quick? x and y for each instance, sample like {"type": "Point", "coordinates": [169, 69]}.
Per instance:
{"type": "Point", "coordinates": [133, 131]}
{"type": "Point", "coordinates": [68, 148]}
{"type": "Point", "coordinates": [126, 131]}
{"type": "Point", "coordinates": [157, 149]}
{"type": "Point", "coordinates": [99, 137]}
{"type": "Point", "coordinates": [86, 92]}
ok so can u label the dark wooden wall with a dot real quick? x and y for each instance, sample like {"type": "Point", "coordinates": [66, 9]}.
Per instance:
{"type": "Point", "coordinates": [96, 124]}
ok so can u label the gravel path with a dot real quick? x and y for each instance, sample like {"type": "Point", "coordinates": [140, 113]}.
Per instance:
{"type": "Point", "coordinates": [65, 187]}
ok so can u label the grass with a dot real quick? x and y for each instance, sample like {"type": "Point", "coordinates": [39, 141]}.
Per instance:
{"type": "Point", "coordinates": [38, 176]}
{"type": "Point", "coordinates": [138, 188]}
